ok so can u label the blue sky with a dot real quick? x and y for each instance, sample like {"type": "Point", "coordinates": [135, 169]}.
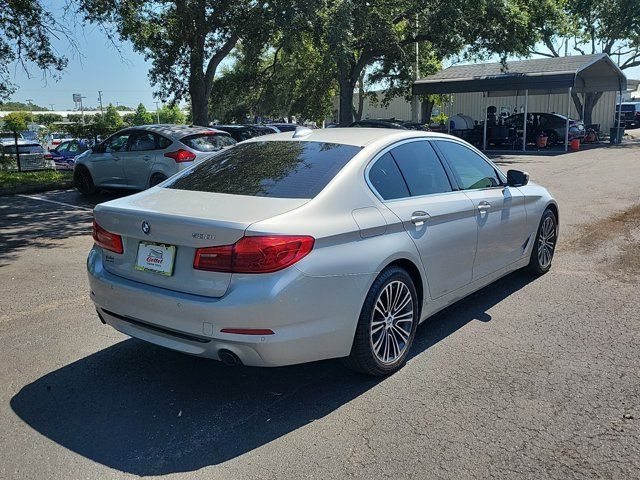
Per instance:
{"type": "Point", "coordinates": [122, 76]}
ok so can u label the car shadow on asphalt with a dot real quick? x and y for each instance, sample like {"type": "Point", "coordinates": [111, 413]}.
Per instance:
{"type": "Point", "coordinates": [145, 410]}
{"type": "Point", "coordinates": [29, 223]}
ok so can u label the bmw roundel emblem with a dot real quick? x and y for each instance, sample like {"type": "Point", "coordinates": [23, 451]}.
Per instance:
{"type": "Point", "coordinates": [146, 228]}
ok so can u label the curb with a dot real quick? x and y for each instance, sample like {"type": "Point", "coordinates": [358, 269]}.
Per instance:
{"type": "Point", "coordinates": [46, 187]}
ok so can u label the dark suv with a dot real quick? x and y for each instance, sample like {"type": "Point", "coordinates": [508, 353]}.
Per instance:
{"type": "Point", "coordinates": [630, 114]}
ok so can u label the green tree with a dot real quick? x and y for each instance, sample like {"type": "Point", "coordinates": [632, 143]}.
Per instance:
{"type": "Point", "coordinates": [282, 81]}
{"type": "Point", "coordinates": [186, 42]}
{"type": "Point", "coordinates": [16, 122]}
{"type": "Point", "coordinates": [141, 116]}
{"type": "Point", "coordinates": [26, 30]}
{"type": "Point", "coordinates": [365, 33]}
{"type": "Point", "coordinates": [112, 118]}
{"type": "Point", "coordinates": [171, 114]}
{"type": "Point", "coordinates": [10, 106]}
{"type": "Point", "coordinates": [588, 27]}
{"type": "Point", "coordinates": [48, 118]}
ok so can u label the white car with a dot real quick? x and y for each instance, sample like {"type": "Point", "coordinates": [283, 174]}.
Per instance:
{"type": "Point", "coordinates": [141, 157]}
{"type": "Point", "coordinates": [302, 246]}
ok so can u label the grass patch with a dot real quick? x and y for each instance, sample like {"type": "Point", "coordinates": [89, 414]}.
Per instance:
{"type": "Point", "coordinates": [16, 182]}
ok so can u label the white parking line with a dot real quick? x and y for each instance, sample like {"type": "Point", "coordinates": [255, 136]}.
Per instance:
{"type": "Point", "coordinates": [75, 207]}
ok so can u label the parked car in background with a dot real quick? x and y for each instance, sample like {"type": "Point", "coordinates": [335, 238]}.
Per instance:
{"type": "Point", "coordinates": [52, 140]}
{"type": "Point", "coordinates": [284, 127]}
{"type": "Point", "coordinates": [378, 123]}
{"type": "Point", "coordinates": [316, 244]}
{"type": "Point", "coordinates": [630, 114]}
{"type": "Point", "coordinates": [553, 124]}
{"type": "Point", "coordinates": [32, 154]}
{"type": "Point", "coordinates": [245, 132]}
{"type": "Point", "coordinates": [64, 155]}
{"type": "Point", "coordinates": [388, 123]}
{"type": "Point", "coordinates": [9, 136]}
{"type": "Point", "coordinates": [141, 157]}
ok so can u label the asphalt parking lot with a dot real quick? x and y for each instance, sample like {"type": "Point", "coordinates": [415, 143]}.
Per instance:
{"type": "Point", "coordinates": [529, 378]}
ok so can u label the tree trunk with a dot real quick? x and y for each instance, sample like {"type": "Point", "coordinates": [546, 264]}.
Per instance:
{"type": "Point", "coordinates": [590, 101]}
{"type": "Point", "coordinates": [346, 99]}
{"type": "Point", "coordinates": [199, 102]}
{"type": "Point", "coordinates": [15, 136]}
{"type": "Point", "coordinates": [426, 107]}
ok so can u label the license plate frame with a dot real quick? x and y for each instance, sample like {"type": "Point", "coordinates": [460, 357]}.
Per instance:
{"type": "Point", "coordinates": [159, 261]}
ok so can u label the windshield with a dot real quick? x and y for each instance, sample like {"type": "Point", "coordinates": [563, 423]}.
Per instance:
{"type": "Point", "coordinates": [287, 169]}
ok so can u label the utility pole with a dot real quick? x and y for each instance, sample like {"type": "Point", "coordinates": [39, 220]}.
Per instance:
{"type": "Point", "coordinates": [100, 100]}
{"type": "Point", "coordinates": [82, 109]}
{"type": "Point", "coordinates": [51, 105]}
{"type": "Point", "coordinates": [157, 112]}
{"type": "Point", "coordinates": [415, 101]}
{"type": "Point", "coordinates": [29, 100]}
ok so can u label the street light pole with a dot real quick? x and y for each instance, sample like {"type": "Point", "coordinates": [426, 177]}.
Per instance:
{"type": "Point", "coordinates": [100, 100]}
{"type": "Point", "coordinates": [29, 100]}
{"type": "Point", "coordinates": [157, 112]}
{"type": "Point", "coordinates": [51, 105]}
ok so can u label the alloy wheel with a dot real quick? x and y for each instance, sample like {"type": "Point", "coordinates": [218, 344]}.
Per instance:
{"type": "Point", "coordinates": [392, 322]}
{"type": "Point", "coordinates": [546, 242]}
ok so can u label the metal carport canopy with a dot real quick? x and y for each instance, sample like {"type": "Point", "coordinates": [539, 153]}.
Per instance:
{"type": "Point", "coordinates": [583, 73]}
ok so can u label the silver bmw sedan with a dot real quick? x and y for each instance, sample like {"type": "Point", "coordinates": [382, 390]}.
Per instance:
{"type": "Point", "coordinates": [318, 244]}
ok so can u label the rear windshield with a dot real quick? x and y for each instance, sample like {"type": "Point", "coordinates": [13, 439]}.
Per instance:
{"type": "Point", "coordinates": [283, 169]}
{"type": "Point", "coordinates": [207, 142]}
{"type": "Point", "coordinates": [26, 149]}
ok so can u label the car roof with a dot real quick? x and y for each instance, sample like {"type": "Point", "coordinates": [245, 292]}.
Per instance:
{"type": "Point", "coordinates": [175, 132]}
{"type": "Point", "coordinates": [359, 137]}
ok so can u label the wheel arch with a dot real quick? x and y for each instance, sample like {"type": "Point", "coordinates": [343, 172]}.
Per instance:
{"type": "Point", "coordinates": [554, 208]}
{"type": "Point", "coordinates": [414, 272]}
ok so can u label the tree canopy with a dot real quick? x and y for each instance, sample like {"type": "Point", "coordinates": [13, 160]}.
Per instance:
{"type": "Point", "coordinates": [26, 30]}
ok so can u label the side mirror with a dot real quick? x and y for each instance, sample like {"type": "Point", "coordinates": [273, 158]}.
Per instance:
{"type": "Point", "coordinates": [516, 178]}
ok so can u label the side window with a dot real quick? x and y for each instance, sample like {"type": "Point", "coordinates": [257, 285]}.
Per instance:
{"type": "Point", "coordinates": [62, 147]}
{"type": "Point", "coordinates": [470, 169]}
{"type": "Point", "coordinates": [387, 179]}
{"type": "Point", "coordinates": [73, 147]}
{"type": "Point", "coordinates": [117, 143]}
{"type": "Point", "coordinates": [163, 142]}
{"type": "Point", "coordinates": [421, 168]}
{"type": "Point", "coordinates": [142, 142]}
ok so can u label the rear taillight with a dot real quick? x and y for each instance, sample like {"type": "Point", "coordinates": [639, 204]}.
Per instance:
{"type": "Point", "coordinates": [48, 156]}
{"type": "Point", "coordinates": [254, 254]}
{"type": "Point", "coordinates": [107, 240]}
{"type": "Point", "coordinates": [181, 156]}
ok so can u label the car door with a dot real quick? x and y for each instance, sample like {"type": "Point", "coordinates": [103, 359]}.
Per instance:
{"type": "Point", "coordinates": [139, 158]}
{"type": "Point", "coordinates": [106, 166]}
{"type": "Point", "coordinates": [413, 184]}
{"type": "Point", "coordinates": [499, 209]}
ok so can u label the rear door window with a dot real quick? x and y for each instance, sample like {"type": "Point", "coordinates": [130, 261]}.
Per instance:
{"type": "Point", "coordinates": [142, 142]}
{"type": "Point", "coordinates": [208, 142]}
{"type": "Point", "coordinates": [387, 180]}
{"type": "Point", "coordinates": [283, 169]}
{"type": "Point", "coordinates": [421, 168]}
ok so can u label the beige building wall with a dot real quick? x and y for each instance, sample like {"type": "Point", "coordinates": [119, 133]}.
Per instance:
{"type": "Point", "coordinates": [472, 104]}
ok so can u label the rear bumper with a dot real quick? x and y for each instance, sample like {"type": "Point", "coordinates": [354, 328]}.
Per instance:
{"type": "Point", "coordinates": [313, 317]}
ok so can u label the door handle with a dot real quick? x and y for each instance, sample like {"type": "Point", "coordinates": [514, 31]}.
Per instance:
{"type": "Point", "coordinates": [146, 158]}
{"type": "Point", "coordinates": [418, 218]}
{"type": "Point", "coordinates": [484, 206]}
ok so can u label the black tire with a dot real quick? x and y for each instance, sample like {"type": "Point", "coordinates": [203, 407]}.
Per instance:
{"type": "Point", "coordinates": [156, 178]}
{"type": "Point", "coordinates": [83, 180]}
{"type": "Point", "coordinates": [552, 137]}
{"type": "Point", "coordinates": [543, 240]}
{"type": "Point", "coordinates": [363, 358]}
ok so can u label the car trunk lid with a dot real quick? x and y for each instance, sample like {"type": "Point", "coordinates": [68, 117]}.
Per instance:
{"type": "Point", "coordinates": [185, 220]}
